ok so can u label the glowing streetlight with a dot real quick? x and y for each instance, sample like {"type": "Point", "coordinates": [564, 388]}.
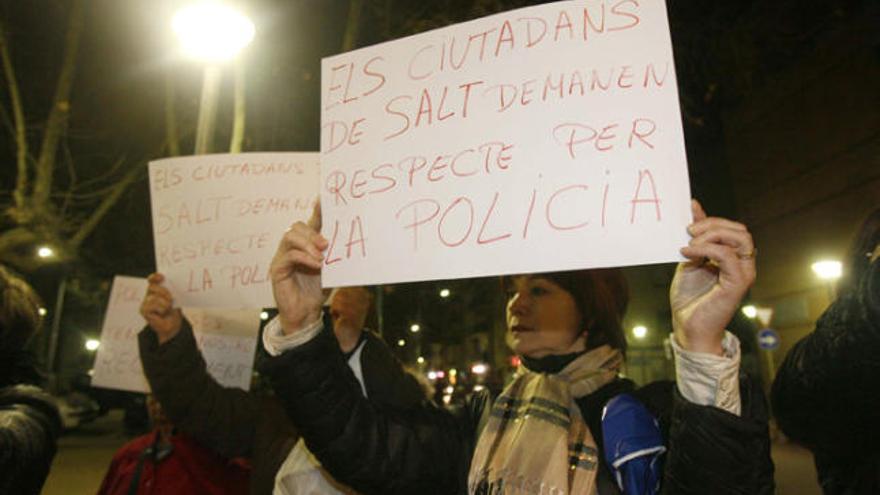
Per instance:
{"type": "Point", "coordinates": [92, 345]}
{"type": "Point", "coordinates": [401, 343]}
{"type": "Point", "coordinates": [750, 311]}
{"type": "Point", "coordinates": [444, 293]}
{"type": "Point", "coordinates": [45, 252]}
{"type": "Point", "coordinates": [828, 269]}
{"type": "Point", "coordinates": [420, 360]}
{"type": "Point", "coordinates": [479, 369]}
{"type": "Point", "coordinates": [432, 375]}
{"type": "Point", "coordinates": [43, 311]}
{"type": "Point", "coordinates": [640, 331]}
{"type": "Point", "coordinates": [264, 315]}
{"type": "Point", "coordinates": [415, 328]}
{"type": "Point", "coordinates": [212, 33]}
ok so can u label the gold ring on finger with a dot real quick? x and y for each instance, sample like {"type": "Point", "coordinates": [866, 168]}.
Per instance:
{"type": "Point", "coordinates": [747, 256]}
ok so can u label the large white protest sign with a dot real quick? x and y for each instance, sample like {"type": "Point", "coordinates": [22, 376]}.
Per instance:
{"type": "Point", "coordinates": [217, 220]}
{"type": "Point", "coordinates": [227, 339]}
{"type": "Point", "coordinates": [546, 138]}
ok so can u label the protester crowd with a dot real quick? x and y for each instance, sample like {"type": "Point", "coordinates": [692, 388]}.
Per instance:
{"type": "Point", "coordinates": [345, 417]}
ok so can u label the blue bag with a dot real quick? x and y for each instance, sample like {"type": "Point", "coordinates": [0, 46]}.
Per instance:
{"type": "Point", "coordinates": [633, 445]}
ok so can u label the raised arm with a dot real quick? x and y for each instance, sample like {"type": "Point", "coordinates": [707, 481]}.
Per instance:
{"type": "Point", "coordinates": [224, 419]}
{"type": "Point", "coordinates": [718, 433]}
{"type": "Point", "coordinates": [417, 449]}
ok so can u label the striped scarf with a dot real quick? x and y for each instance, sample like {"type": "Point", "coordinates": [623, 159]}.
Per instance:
{"type": "Point", "coordinates": [535, 440]}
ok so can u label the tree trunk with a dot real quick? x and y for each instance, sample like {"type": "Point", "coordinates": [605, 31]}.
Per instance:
{"type": "Point", "coordinates": [239, 109]}
{"type": "Point", "coordinates": [352, 25]}
{"type": "Point", "coordinates": [57, 121]}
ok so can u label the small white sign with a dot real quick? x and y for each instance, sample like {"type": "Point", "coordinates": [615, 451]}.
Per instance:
{"type": "Point", "coordinates": [226, 338]}
{"type": "Point", "coordinates": [217, 221]}
{"type": "Point", "coordinates": [541, 139]}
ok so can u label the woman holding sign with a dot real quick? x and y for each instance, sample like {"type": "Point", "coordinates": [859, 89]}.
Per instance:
{"type": "Point", "coordinates": [567, 423]}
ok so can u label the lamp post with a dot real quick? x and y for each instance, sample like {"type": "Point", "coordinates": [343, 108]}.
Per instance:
{"type": "Point", "coordinates": [212, 33]}
{"type": "Point", "coordinates": [48, 254]}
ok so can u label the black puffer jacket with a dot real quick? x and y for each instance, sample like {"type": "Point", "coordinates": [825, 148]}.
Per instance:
{"type": "Point", "coordinates": [29, 429]}
{"type": "Point", "coordinates": [827, 391]}
{"type": "Point", "coordinates": [235, 423]}
{"type": "Point", "coordinates": [427, 449]}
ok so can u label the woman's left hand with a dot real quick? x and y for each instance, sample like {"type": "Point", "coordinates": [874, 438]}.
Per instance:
{"type": "Point", "coordinates": [707, 290]}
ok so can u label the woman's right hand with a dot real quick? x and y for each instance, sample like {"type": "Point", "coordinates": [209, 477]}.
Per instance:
{"type": "Point", "coordinates": [296, 274]}
{"type": "Point", "coordinates": [159, 311]}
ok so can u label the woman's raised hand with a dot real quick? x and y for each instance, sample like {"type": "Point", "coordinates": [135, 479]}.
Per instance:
{"type": "Point", "coordinates": [159, 311]}
{"type": "Point", "coordinates": [707, 289]}
{"type": "Point", "coordinates": [296, 274]}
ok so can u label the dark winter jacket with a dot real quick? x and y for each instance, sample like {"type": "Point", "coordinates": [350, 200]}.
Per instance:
{"type": "Point", "coordinates": [427, 449]}
{"type": "Point", "coordinates": [827, 391]}
{"type": "Point", "coordinates": [236, 423]}
{"type": "Point", "coordinates": [29, 429]}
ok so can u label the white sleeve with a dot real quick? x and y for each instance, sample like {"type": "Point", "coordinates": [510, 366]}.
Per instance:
{"type": "Point", "coordinates": [707, 379]}
{"type": "Point", "coordinates": [275, 342]}
{"type": "Point", "coordinates": [354, 362]}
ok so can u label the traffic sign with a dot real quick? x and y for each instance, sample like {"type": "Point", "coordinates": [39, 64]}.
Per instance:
{"type": "Point", "coordinates": [768, 339]}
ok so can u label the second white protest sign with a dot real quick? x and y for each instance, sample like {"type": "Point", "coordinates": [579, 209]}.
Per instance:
{"type": "Point", "coordinates": [217, 221]}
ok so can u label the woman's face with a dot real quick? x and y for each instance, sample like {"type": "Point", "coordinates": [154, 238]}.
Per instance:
{"type": "Point", "coordinates": [542, 319]}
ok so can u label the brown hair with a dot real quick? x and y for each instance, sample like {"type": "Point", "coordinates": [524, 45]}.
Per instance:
{"type": "Point", "coordinates": [601, 296]}
{"type": "Point", "coordinates": [19, 311]}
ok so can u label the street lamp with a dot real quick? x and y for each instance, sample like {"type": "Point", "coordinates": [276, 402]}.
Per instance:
{"type": "Point", "coordinates": [92, 345]}
{"type": "Point", "coordinates": [640, 331]}
{"type": "Point", "coordinates": [45, 252]}
{"type": "Point", "coordinates": [750, 311]}
{"type": "Point", "coordinates": [414, 328]}
{"type": "Point", "coordinates": [828, 271]}
{"type": "Point", "coordinates": [479, 369]}
{"type": "Point", "coordinates": [444, 293]}
{"type": "Point", "coordinates": [212, 33]}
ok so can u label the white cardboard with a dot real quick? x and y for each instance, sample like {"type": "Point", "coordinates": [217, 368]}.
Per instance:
{"type": "Point", "coordinates": [541, 139]}
{"type": "Point", "coordinates": [217, 221]}
{"type": "Point", "coordinates": [226, 338]}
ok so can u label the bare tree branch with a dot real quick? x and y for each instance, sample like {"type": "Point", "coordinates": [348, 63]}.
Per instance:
{"type": "Point", "coordinates": [104, 177]}
{"type": "Point", "coordinates": [57, 120]}
{"type": "Point", "coordinates": [21, 144]}
{"type": "Point", "coordinates": [108, 202]}
{"type": "Point", "coordinates": [171, 134]}
{"type": "Point", "coordinates": [10, 240]}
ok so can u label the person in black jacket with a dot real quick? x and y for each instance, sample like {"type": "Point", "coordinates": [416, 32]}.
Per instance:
{"type": "Point", "coordinates": [825, 395]}
{"type": "Point", "coordinates": [545, 433]}
{"type": "Point", "coordinates": [29, 420]}
{"type": "Point", "coordinates": [236, 423]}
